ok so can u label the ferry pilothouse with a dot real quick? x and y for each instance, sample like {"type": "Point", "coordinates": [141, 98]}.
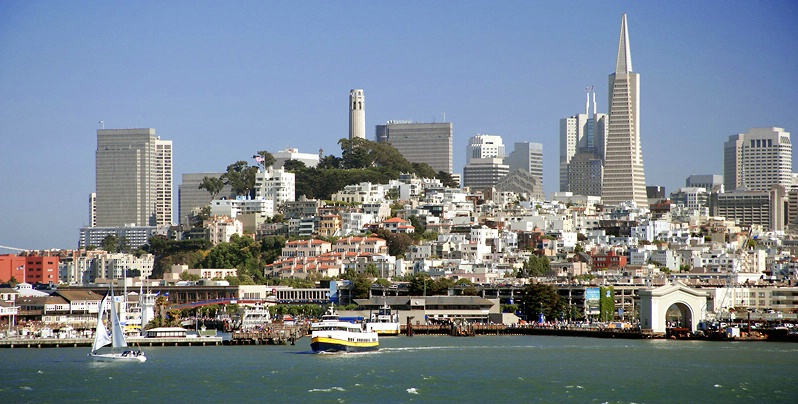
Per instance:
{"type": "Point", "coordinates": [333, 335]}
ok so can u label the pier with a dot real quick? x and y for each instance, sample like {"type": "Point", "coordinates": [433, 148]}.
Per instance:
{"type": "Point", "coordinates": [86, 342]}
{"type": "Point", "coordinates": [475, 329]}
{"type": "Point", "coordinates": [276, 335]}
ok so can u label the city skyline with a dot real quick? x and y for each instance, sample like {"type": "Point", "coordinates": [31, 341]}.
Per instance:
{"type": "Point", "coordinates": [269, 76]}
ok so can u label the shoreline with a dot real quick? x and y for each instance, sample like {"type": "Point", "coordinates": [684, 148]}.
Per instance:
{"type": "Point", "coordinates": [420, 330]}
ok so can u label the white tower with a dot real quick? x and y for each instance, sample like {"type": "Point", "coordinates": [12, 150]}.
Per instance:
{"type": "Point", "coordinates": [624, 176]}
{"type": "Point", "coordinates": [357, 114]}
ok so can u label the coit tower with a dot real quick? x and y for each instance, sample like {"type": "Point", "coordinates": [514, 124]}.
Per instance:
{"type": "Point", "coordinates": [357, 114]}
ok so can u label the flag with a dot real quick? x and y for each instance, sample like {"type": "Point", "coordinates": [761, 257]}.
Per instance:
{"type": "Point", "coordinates": [259, 159]}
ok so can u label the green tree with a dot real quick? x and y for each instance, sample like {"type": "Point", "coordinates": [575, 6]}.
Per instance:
{"type": "Point", "coordinates": [398, 243]}
{"type": "Point", "coordinates": [371, 269]}
{"type": "Point", "coordinates": [240, 177]}
{"type": "Point", "coordinates": [124, 246]}
{"type": "Point", "coordinates": [423, 170]}
{"type": "Point", "coordinates": [420, 285]}
{"type": "Point", "coordinates": [537, 266]}
{"type": "Point", "coordinates": [418, 226]}
{"type": "Point", "coordinates": [607, 303]}
{"type": "Point", "coordinates": [110, 244]}
{"type": "Point", "coordinates": [384, 283]}
{"type": "Point", "coordinates": [440, 287]}
{"type": "Point", "coordinates": [447, 180]}
{"type": "Point", "coordinates": [539, 296]}
{"type": "Point", "coordinates": [329, 162]}
{"type": "Point", "coordinates": [185, 276]}
{"type": "Point", "coordinates": [294, 166]}
{"type": "Point", "coordinates": [267, 159]}
{"type": "Point", "coordinates": [213, 185]}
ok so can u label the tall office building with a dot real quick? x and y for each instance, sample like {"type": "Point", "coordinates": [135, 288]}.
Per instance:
{"type": "Point", "coordinates": [624, 175]}
{"type": "Point", "coordinates": [357, 114]}
{"type": "Point", "coordinates": [190, 196]}
{"type": "Point", "coordinates": [757, 159]}
{"type": "Point", "coordinates": [710, 182]}
{"type": "Point", "coordinates": [483, 173]}
{"type": "Point", "coordinates": [582, 138]}
{"type": "Point", "coordinates": [134, 178]}
{"type": "Point", "coordinates": [528, 157]}
{"type": "Point", "coordinates": [485, 164]}
{"type": "Point", "coordinates": [92, 209]}
{"type": "Point", "coordinates": [429, 143]}
{"type": "Point", "coordinates": [484, 146]}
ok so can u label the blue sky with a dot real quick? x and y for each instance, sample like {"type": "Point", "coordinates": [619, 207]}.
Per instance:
{"type": "Point", "coordinates": [225, 79]}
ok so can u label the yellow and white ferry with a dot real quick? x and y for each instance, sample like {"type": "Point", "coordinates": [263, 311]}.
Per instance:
{"type": "Point", "coordinates": [333, 335]}
{"type": "Point", "coordinates": [385, 322]}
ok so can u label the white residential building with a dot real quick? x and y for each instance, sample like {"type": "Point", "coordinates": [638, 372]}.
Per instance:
{"type": "Point", "coordinates": [276, 185]}
{"type": "Point", "coordinates": [119, 265]}
{"type": "Point", "coordinates": [221, 228]}
{"type": "Point", "coordinates": [362, 193]}
{"type": "Point", "coordinates": [232, 208]}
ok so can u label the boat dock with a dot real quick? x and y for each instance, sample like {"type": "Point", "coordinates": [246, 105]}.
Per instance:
{"type": "Point", "coordinates": [269, 336]}
{"type": "Point", "coordinates": [474, 329]}
{"type": "Point", "coordinates": [86, 342]}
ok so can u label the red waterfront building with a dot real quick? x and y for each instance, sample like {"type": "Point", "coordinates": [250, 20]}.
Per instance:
{"type": "Point", "coordinates": [31, 268]}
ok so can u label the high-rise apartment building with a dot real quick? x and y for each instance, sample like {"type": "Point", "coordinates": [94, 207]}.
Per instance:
{"type": "Point", "coordinates": [757, 159]}
{"type": "Point", "coordinates": [133, 178]}
{"type": "Point", "coordinates": [582, 138]}
{"type": "Point", "coordinates": [163, 183]}
{"type": "Point", "coordinates": [357, 114]}
{"type": "Point", "coordinates": [429, 143]}
{"type": "Point", "coordinates": [276, 185]}
{"type": "Point", "coordinates": [624, 175]}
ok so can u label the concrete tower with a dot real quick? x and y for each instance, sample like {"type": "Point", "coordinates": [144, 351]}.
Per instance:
{"type": "Point", "coordinates": [624, 176]}
{"type": "Point", "coordinates": [429, 143]}
{"type": "Point", "coordinates": [582, 139]}
{"type": "Point", "coordinates": [357, 114]}
{"type": "Point", "coordinates": [485, 164]}
{"type": "Point", "coordinates": [133, 178]}
{"type": "Point", "coordinates": [757, 160]}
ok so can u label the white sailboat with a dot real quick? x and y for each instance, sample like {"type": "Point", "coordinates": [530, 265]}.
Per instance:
{"type": "Point", "coordinates": [116, 338]}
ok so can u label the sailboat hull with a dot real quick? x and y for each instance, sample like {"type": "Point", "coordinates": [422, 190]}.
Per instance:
{"type": "Point", "coordinates": [118, 357]}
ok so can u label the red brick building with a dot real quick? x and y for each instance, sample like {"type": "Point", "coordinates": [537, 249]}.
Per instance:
{"type": "Point", "coordinates": [31, 269]}
{"type": "Point", "coordinates": [41, 269]}
{"type": "Point", "coordinates": [609, 260]}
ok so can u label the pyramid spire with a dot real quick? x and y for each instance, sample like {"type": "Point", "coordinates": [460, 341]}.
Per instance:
{"type": "Point", "coordinates": [624, 62]}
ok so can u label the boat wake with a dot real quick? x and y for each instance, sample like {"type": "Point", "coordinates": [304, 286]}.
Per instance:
{"type": "Point", "coordinates": [331, 389]}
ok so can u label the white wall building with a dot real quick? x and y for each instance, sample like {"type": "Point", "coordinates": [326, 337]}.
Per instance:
{"type": "Point", "coordinates": [309, 159]}
{"type": "Point", "coordinates": [221, 228]}
{"type": "Point", "coordinates": [276, 185]}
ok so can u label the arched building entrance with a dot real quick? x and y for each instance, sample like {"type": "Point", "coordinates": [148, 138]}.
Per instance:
{"type": "Point", "coordinates": [674, 304]}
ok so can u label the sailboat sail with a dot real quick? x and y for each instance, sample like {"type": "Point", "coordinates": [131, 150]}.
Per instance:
{"type": "Point", "coordinates": [117, 334]}
{"type": "Point", "coordinates": [101, 337]}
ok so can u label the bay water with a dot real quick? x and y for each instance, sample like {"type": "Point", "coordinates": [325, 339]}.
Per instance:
{"type": "Point", "coordinates": [501, 369]}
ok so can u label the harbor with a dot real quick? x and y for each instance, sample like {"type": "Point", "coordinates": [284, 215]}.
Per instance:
{"type": "Point", "coordinates": [423, 368]}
